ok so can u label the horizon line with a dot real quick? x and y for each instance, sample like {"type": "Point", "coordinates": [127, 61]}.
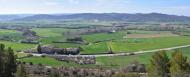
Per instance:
{"type": "Point", "coordinates": [87, 13]}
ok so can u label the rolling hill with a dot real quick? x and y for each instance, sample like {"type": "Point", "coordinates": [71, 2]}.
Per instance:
{"type": "Point", "coordinates": [138, 17]}
{"type": "Point", "coordinates": [8, 17]}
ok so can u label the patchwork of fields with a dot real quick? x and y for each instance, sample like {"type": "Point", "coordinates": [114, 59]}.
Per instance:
{"type": "Point", "coordinates": [99, 43]}
{"type": "Point", "coordinates": [119, 44]}
{"type": "Point", "coordinates": [121, 41]}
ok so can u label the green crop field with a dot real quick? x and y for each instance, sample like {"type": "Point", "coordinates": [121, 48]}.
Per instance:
{"type": "Point", "coordinates": [146, 32]}
{"type": "Point", "coordinates": [49, 32]}
{"type": "Point", "coordinates": [122, 61]}
{"type": "Point", "coordinates": [95, 48]}
{"type": "Point", "coordinates": [119, 44]}
{"type": "Point", "coordinates": [18, 46]}
{"type": "Point", "coordinates": [104, 36]}
{"type": "Point", "coordinates": [45, 61]}
{"type": "Point", "coordinates": [99, 43]}
{"type": "Point", "coordinates": [4, 31]}
{"type": "Point", "coordinates": [13, 34]}
{"type": "Point", "coordinates": [132, 45]}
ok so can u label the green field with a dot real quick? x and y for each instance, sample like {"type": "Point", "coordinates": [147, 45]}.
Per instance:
{"type": "Point", "coordinates": [121, 61]}
{"type": "Point", "coordinates": [49, 32]}
{"type": "Point", "coordinates": [104, 36]}
{"type": "Point", "coordinates": [17, 46]}
{"type": "Point", "coordinates": [99, 43]}
{"type": "Point", "coordinates": [13, 34]}
{"type": "Point", "coordinates": [107, 62]}
{"type": "Point", "coordinates": [55, 63]}
{"type": "Point", "coordinates": [118, 44]}
{"type": "Point", "coordinates": [132, 45]}
{"type": "Point", "coordinates": [46, 61]}
{"type": "Point", "coordinates": [48, 35]}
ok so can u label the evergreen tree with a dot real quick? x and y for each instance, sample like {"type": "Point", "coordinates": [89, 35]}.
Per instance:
{"type": "Point", "coordinates": [10, 64]}
{"type": "Point", "coordinates": [2, 47]}
{"type": "Point", "coordinates": [159, 65]}
{"type": "Point", "coordinates": [21, 71]}
{"type": "Point", "coordinates": [7, 62]}
{"type": "Point", "coordinates": [179, 65]}
{"type": "Point", "coordinates": [39, 49]}
{"type": "Point", "coordinates": [1, 59]}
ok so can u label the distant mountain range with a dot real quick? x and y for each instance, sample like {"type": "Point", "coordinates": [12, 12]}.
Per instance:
{"type": "Point", "coordinates": [139, 17]}
{"type": "Point", "coordinates": [7, 17]}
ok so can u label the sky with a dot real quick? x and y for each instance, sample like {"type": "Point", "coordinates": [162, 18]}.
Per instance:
{"type": "Point", "coordinates": [175, 7]}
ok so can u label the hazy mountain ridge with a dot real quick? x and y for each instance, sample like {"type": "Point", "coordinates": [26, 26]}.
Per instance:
{"type": "Point", "coordinates": [107, 17]}
{"type": "Point", "coordinates": [7, 17]}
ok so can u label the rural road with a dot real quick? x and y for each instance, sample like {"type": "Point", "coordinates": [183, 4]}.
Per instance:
{"type": "Point", "coordinates": [122, 54]}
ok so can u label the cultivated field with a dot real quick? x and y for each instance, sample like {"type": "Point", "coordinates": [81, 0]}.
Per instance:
{"type": "Point", "coordinates": [121, 41]}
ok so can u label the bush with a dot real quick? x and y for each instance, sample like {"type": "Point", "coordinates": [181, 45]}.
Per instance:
{"type": "Point", "coordinates": [122, 74]}
{"type": "Point", "coordinates": [29, 55]}
{"type": "Point", "coordinates": [43, 56]}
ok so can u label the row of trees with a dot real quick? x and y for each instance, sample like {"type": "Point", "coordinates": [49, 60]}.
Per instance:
{"type": "Point", "coordinates": [163, 66]}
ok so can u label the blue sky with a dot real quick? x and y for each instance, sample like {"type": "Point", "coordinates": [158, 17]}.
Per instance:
{"type": "Point", "coordinates": [177, 7]}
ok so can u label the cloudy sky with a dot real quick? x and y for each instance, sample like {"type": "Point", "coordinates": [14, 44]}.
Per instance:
{"type": "Point", "coordinates": [178, 7]}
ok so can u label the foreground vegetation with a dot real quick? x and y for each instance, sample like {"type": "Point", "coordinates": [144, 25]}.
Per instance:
{"type": "Point", "coordinates": [159, 64]}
